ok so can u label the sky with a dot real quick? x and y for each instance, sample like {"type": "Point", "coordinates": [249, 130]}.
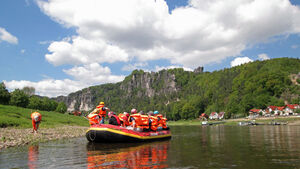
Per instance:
{"type": "Point", "coordinates": [62, 46]}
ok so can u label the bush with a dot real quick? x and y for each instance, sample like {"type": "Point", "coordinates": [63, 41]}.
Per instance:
{"type": "Point", "coordinates": [19, 98]}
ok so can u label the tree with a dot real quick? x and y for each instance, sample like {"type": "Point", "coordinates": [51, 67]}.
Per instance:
{"type": "Point", "coordinates": [19, 98]}
{"type": "Point", "coordinates": [4, 94]}
{"type": "Point", "coordinates": [35, 103]}
{"type": "Point", "coordinates": [61, 107]}
{"type": "Point", "coordinates": [29, 90]}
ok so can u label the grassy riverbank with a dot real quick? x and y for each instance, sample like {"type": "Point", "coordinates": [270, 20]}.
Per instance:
{"type": "Point", "coordinates": [16, 127]}
{"type": "Point", "coordinates": [11, 116]}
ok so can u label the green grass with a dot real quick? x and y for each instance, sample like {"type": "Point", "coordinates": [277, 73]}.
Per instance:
{"type": "Point", "coordinates": [11, 116]}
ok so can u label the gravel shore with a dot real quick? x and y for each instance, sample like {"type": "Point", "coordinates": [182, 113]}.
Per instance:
{"type": "Point", "coordinates": [10, 137]}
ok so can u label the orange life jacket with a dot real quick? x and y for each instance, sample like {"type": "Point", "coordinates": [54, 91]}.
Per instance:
{"type": "Point", "coordinates": [164, 122]}
{"type": "Point", "coordinates": [137, 118]}
{"type": "Point", "coordinates": [93, 119]}
{"type": "Point", "coordinates": [154, 123]}
{"type": "Point", "coordinates": [144, 122]}
{"type": "Point", "coordinates": [101, 112]}
{"type": "Point", "coordinates": [160, 120]}
{"type": "Point", "coordinates": [34, 114]}
{"type": "Point", "coordinates": [124, 119]}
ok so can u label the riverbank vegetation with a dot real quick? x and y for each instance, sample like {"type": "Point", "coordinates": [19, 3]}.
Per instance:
{"type": "Point", "coordinates": [234, 122]}
{"type": "Point", "coordinates": [12, 116]}
{"type": "Point", "coordinates": [25, 98]}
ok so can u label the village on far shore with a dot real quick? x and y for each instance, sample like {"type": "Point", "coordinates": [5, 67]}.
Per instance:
{"type": "Point", "coordinates": [270, 111]}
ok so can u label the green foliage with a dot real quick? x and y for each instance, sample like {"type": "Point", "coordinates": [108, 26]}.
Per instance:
{"type": "Point", "coordinates": [298, 80]}
{"type": "Point", "coordinates": [19, 98]}
{"type": "Point", "coordinates": [61, 107]}
{"type": "Point", "coordinates": [11, 116]}
{"type": "Point", "coordinates": [4, 94]}
{"type": "Point", "coordinates": [29, 90]}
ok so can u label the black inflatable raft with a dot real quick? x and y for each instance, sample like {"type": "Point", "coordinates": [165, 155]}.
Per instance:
{"type": "Point", "coordinates": [111, 133]}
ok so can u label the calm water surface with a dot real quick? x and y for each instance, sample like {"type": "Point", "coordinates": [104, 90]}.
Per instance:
{"type": "Point", "coordinates": [247, 147]}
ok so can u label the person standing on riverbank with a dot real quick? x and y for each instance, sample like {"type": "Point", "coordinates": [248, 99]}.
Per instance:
{"type": "Point", "coordinates": [36, 118]}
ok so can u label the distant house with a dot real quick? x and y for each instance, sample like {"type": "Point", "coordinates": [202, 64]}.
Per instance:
{"type": "Point", "coordinates": [203, 115]}
{"type": "Point", "coordinates": [213, 116]}
{"type": "Point", "coordinates": [279, 111]}
{"type": "Point", "coordinates": [254, 113]}
{"type": "Point", "coordinates": [271, 108]}
{"type": "Point", "coordinates": [221, 115]}
{"type": "Point", "coordinates": [290, 108]}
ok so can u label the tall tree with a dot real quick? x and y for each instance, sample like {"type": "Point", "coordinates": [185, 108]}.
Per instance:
{"type": "Point", "coordinates": [61, 107]}
{"type": "Point", "coordinates": [19, 98]}
{"type": "Point", "coordinates": [29, 90]}
{"type": "Point", "coordinates": [4, 94]}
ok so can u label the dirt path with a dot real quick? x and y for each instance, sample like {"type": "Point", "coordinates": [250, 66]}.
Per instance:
{"type": "Point", "coordinates": [15, 137]}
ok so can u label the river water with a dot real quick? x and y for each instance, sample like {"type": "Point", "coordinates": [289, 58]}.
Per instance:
{"type": "Point", "coordinates": [246, 147]}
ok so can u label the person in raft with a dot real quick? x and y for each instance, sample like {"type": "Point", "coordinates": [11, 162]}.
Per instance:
{"type": "Point", "coordinates": [101, 111]}
{"type": "Point", "coordinates": [36, 120]}
{"type": "Point", "coordinates": [133, 119]}
{"type": "Point", "coordinates": [161, 121]}
{"type": "Point", "coordinates": [123, 117]}
{"type": "Point", "coordinates": [113, 119]}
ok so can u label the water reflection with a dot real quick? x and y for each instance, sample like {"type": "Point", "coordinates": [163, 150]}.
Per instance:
{"type": "Point", "coordinates": [33, 155]}
{"type": "Point", "coordinates": [146, 156]}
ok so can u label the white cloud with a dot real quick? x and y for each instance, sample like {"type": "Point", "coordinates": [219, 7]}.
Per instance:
{"type": "Point", "coordinates": [83, 51]}
{"type": "Point", "coordinates": [159, 68]}
{"type": "Point", "coordinates": [240, 60]}
{"type": "Point", "coordinates": [200, 33]}
{"type": "Point", "coordinates": [23, 51]}
{"type": "Point", "coordinates": [6, 36]}
{"type": "Point", "coordinates": [294, 46]}
{"type": "Point", "coordinates": [93, 74]}
{"type": "Point", "coordinates": [130, 67]}
{"type": "Point", "coordinates": [47, 87]}
{"type": "Point", "coordinates": [85, 76]}
{"type": "Point", "coordinates": [263, 56]}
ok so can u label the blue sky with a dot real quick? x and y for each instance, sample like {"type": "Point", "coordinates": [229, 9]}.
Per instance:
{"type": "Point", "coordinates": [60, 47]}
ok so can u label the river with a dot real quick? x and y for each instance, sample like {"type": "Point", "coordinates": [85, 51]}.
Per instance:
{"type": "Point", "coordinates": [247, 147]}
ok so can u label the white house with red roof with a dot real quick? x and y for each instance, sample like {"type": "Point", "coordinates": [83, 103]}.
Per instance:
{"type": "Point", "coordinates": [213, 116]}
{"type": "Point", "coordinates": [291, 108]}
{"type": "Point", "coordinates": [254, 113]}
{"type": "Point", "coordinates": [221, 115]}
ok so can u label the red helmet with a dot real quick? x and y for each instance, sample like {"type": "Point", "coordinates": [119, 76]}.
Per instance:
{"type": "Point", "coordinates": [133, 111]}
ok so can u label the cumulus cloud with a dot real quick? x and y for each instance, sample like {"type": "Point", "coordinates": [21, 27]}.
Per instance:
{"type": "Point", "coordinates": [240, 60]}
{"type": "Point", "coordinates": [47, 87]}
{"type": "Point", "coordinates": [263, 56]}
{"type": "Point", "coordinates": [93, 74]}
{"type": "Point", "coordinates": [200, 33]}
{"type": "Point", "coordinates": [130, 67]}
{"type": "Point", "coordinates": [84, 76]}
{"type": "Point", "coordinates": [159, 68]}
{"type": "Point", "coordinates": [6, 36]}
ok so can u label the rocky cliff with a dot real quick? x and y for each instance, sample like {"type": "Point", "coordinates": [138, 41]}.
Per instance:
{"type": "Point", "coordinates": [139, 86]}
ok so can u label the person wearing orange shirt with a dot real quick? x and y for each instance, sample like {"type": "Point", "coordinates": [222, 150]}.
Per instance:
{"type": "Point", "coordinates": [36, 120]}
{"type": "Point", "coordinates": [101, 111]}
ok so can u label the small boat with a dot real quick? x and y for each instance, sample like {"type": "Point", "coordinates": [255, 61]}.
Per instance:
{"type": "Point", "coordinates": [112, 133]}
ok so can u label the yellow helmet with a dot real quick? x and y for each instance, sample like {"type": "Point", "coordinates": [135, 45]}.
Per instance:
{"type": "Point", "coordinates": [101, 103]}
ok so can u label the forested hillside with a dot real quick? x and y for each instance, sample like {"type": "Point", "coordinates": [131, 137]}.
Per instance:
{"type": "Point", "coordinates": [185, 95]}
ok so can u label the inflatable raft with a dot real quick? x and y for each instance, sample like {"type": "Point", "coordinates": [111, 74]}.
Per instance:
{"type": "Point", "coordinates": [111, 133]}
